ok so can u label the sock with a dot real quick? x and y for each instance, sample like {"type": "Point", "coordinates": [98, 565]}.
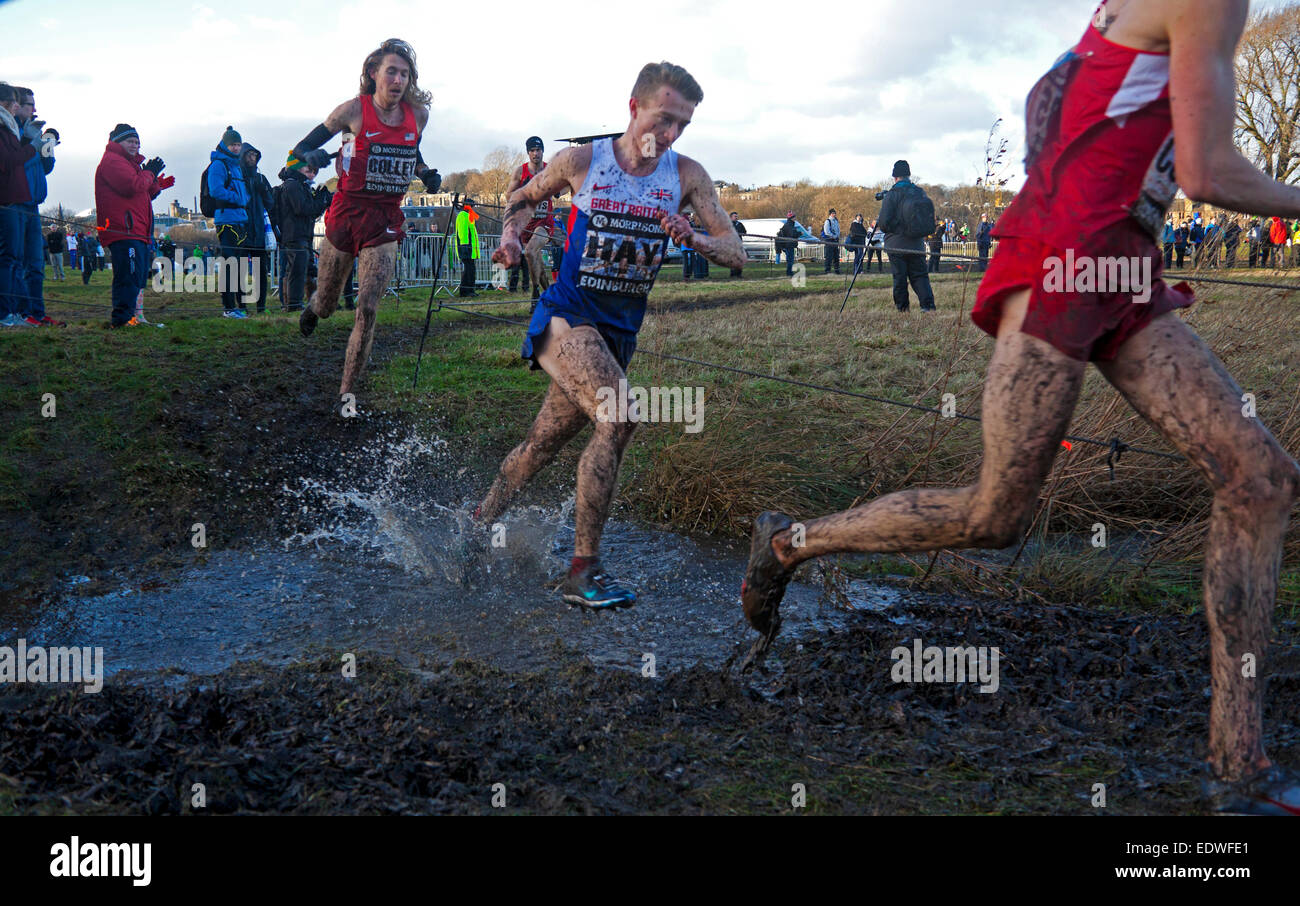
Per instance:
{"type": "Point", "coordinates": [581, 563]}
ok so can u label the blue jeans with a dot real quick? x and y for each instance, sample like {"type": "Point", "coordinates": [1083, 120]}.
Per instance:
{"type": "Point", "coordinates": [789, 260]}
{"type": "Point", "coordinates": [11, 234]}
{"type": "Point", "coordinates": [31, 270]}
{"type": "Point", "coordinates": [130, 274]}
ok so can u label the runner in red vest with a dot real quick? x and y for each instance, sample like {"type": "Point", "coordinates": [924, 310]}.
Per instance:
{"type": "Point", "coordinates": [375, 168]}
{"type": "Point", "coordinates": [1101, 138]}
{"type": "Point", "coordinates": [540, 228]}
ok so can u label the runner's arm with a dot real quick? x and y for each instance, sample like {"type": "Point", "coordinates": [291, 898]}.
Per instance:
{"type": "Point", "coordinates": [339, 119]}
{"type": "Point", "coordinates": [1203, 44]}
{"type": "Point", "coordinates": [722, 244]}
{"type": "Point", "coordinates": [521, 204]}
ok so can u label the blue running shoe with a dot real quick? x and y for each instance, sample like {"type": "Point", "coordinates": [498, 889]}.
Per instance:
{"type": "Point", "coordinates": [595, 589]}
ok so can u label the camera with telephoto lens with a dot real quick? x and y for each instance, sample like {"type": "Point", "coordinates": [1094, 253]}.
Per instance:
{"type": "Point", "coordinates": [880, 196]}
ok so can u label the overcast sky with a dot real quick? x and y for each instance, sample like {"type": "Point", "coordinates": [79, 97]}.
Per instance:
{"type": "Point", "coordinates": [825, 92]}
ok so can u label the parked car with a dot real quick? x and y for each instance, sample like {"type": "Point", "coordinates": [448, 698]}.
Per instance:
{"type": "Point", "coordinates": [769, 226]}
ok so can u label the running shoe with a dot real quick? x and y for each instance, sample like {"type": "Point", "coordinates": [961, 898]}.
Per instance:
{"type": "Point", "coordinates": [1273, 791]}
{"type": "Point", "coordinates": [132, 323]}
{"type": "Point", "coordinates": [765, 578]}
{"type": "Point", "coordinates": [9, 321]}
{"type": "Point", "coordinates": [230, 313]}
{"type": "Point", "coordinates": [47, 321]}
{"type": "Point", "coordinates": [307, 321]}
{"type": "Point", "coordinates": [31, 322]}
{"type": "Point", "coordinates": [595, 589]}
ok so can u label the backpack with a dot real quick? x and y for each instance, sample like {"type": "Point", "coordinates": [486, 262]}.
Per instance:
{"type": "Point", "coordinates": [916, 214]}
{"type": "Point", "coordinates": [208, 205]}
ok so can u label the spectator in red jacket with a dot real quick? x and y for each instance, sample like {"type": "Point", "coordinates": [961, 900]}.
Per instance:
{"type": "Point", "coordinates": [15, 150]}
{"type": "Point", "coordinates": [125, 184]}
{"type": "Point", "coordinates": [1277, 240]}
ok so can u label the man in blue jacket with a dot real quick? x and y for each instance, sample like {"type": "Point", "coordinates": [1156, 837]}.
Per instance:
{"type": "Point", "coordinates": [29, 282]}
{"type": "Point", "coordinates": [227, 187]}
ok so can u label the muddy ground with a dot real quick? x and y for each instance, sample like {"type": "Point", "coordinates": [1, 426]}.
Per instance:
{"type": "Point", "coordinates": [1085, 697]}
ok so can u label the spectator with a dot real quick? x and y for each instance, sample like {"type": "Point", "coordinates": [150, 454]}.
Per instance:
{"type": "Point", "coordinates": [1196, 238]}
{"type": "Point", "coordinates": [87, 244]}
{"type": "Point", "coordinates": [1277, 235]}
{"type": "Point", "coordinates": [740, 231]}
{"type": "Point", "coordinates": [467, 247]}
{"type": "Point", "coordinates": [167, 248]}
{"type": "Point", "coordinates": [230, 194]}
{"type": "Point", "coordinates": [1213, 239]}
{"type": "Point", "coordinates": [56, 241]}
{"type": "Point", "coordinates": [876, 247]}
{"type": "Point", "coordinates": [29, 278]}
{"type": "Point", "coordinates": [298, 208]}
{"type": "Point", "coordinates": [787, 241]}
{"type": "Point", "coordinates": [699, 264]}
{"type": "Point", "coordinates": [263, 223]}
{"type": "Point", "coordinates": [908, 263]}
{"type": "Point", "coordinates": [1167, 240]}
{"type": "Point", "coordinates": [857, 242]}
{"type": "Point", "coordinates": [936, 250]}
{"type": "Point", "coordinates": [16, 149]}
{"type": "Point", "coordinates": [125, 186]}
{"type": "Point", "coordinates": [831, 236]}
{"type": "Point", "coordinates": [1252, 240]}
{"type": "Point", "coordinates": [1295, 244]}
{"type": "Point", "coordinates": [1181, 237]}
{"type": "Point", "coordinates": [1232, 242]}
{"type": "Point", "coordinates": [984, 241]}
{"type": "Point", "coordinates": [72, 249]}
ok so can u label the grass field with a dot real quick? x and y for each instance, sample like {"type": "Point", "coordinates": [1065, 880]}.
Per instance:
{"type": "Point", "coordinates": [135, 440]}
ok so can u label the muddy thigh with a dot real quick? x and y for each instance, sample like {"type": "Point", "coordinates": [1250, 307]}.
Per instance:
{"type": "Point", "coordinates": [334, 267]}
{"type": "Point", "coordinates": [1181, 388]}
{"type": "Point", "coordinates": [374, 268]}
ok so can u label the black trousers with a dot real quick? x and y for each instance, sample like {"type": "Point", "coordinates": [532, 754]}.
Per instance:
{"type": "Point", "coordinates": [467, 274]}
{"type": "Point", "coordinates": [910, 268]}
{"type": "Point", "coordinates": [832, 258]}
{"type": "Point", "coordinates": [984, 258]}
{"type": "Point", "coordinates": [858, 252]}
{"type": "Point", "coordinates": [294, 258]}
{"type": "Point", "coordinates": [879, 255]}
{"type": "Point", "coordinates": [259, 262]}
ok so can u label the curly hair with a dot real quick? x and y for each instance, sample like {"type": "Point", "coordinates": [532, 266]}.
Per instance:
{"type": "Point", "coordinates": [399, 47]}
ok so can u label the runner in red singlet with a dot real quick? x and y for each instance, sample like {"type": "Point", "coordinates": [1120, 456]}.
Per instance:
{"type": "Point", "coordinates": [540, 228]}
{"type": "Point", "coordinates": [364, 219]}
{"type": "Point", "coordinates": [1101, 140]}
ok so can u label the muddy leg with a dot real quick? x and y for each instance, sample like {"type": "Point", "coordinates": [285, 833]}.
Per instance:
{"type": "Point", "coordinates": [537, 269]}
{"type": "Point", "coordinates": [1177, 384]}
{"type": "Point", "coordinates": [556, 424]}
{"type": "Point", "coordinates": [331, 273]}
{"type": "Point", "coordinates": [580, 363]}
{"type": "Point", "coordinates": [1029, 398]}
{"type": "Point", "coordinates": [373, 273]}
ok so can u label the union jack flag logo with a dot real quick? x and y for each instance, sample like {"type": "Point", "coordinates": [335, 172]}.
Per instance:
{"type": "Point", "coordinates": [661, 195]}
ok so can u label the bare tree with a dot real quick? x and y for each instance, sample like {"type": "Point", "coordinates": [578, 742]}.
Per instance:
{"type": "Point", "coordinates": [498, 166]}
{"type": "Point", "coordinates": [1268, 92]}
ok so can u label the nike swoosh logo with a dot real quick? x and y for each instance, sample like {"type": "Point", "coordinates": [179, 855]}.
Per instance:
{"type": "Point", "coordinates": [602, 188]}
{"type": "Point", "coordinates": [371, 134]}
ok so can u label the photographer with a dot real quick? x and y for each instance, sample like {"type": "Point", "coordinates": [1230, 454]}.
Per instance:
{"type": "Point", "coordinates": [298, 208]}
{"type": "Point", "coordinates": [787, 241]}
{"type": "Point", "coordinates": [903, 218]}
{"type": "Point", "coordinates": [857, 242]}
{"type": "Point", "coordinates": [29, 276]}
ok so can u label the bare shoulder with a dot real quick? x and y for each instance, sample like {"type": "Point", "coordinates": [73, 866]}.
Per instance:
{"type": "Point", "coordinates": [421, 116]}
{"type": "Point", "coordinates": [693, 175]}
{"type": "Point", "coordinates": [346, 116]}
{"type": "Point", "coordinates": [1151, 25]}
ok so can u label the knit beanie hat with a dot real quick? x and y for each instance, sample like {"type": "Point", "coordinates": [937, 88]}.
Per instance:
{"type": "Point", "coordinates": [902, 169]}
{"type": "Point", "coordinates": [121, 132]}
{"type": "Point", "coordinates": [231, 137]}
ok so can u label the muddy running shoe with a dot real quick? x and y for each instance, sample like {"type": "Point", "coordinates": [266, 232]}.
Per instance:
{"type": "Point", "coordinates": [1273, 791]}
{"type": "Point", "coordinates": [307, 321]}
{"type": "Point", "coordinates": [765, 577]}
{"type": "Point", "coordinates": [595, 589]}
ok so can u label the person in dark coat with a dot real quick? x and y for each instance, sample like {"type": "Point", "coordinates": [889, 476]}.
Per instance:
{"type": "Point", "coordinates": [787, 241]}
{"type": "Point", "coordinates": [984, 241]}
{"type": "Point", "coordinates": [298, 208]}
{"type": "Point", "coordinates": [740, 231]}
{"type": "Point", "coordinates": [261, 215]}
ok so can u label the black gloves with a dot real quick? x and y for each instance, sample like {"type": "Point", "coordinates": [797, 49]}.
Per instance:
{"type": "Point", "coordinates": [154, 165]}
{"type": "Point", "coordinates": [432, 179]}
{"type": "Point", "coordinates": [317, 158]}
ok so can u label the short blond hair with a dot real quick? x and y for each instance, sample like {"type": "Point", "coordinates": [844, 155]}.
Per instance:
{"type": "Point", "coordinates": [653, 75]}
